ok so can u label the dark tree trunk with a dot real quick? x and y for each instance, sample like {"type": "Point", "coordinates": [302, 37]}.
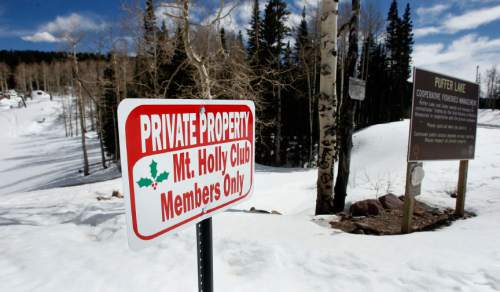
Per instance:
{"type": "Point", "coordinates": [346, 121]}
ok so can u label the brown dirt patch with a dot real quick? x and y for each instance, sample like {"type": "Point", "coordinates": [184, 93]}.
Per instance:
{"type": "Point", "coordinates": [388, 221]}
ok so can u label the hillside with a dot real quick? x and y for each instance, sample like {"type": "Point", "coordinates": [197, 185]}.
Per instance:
{"type": "Point", "coordinates": [65, 239]}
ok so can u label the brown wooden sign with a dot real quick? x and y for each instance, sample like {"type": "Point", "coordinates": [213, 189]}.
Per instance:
{"type": "Point", "coordinates": [443, 117]}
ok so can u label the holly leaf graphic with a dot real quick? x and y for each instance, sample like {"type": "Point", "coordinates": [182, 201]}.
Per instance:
{"type": "Point", "coordinates": [153, 168]}
{"type": "Point", "coordinates": [144, 182]}
{"type": "Point", "coordinates": [163, 176]}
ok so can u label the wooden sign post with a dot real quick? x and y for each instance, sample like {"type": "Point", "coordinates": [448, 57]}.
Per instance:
{"type": "Point", "coordinates": [409, 202]}
{"type": "Point", "coordinates": [443, 126]}
{"type": "Point", "coordinates": [461, 188]}
{"type": "Point", "coordinates": [414, 177]}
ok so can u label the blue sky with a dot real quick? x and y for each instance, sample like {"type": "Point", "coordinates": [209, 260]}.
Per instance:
{"type": "Point", "coordinates": [451, 36]}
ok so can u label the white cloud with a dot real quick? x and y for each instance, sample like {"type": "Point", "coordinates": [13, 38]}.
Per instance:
{"type": "Point", "coordinates": [473, 19]}
{"type": "Point", "coordinates": [238, 18]}
{"type": "Point", "coordinates": [293, 20]}
{"type": "Point", "coordinates": [74, 22]}
{"type": "Point", "coordinates": [432, 10]}
{"type": "Point", "coordinates": [423, 31]}
{"type": "Point", "coordinates": [41, 37]}
{"type": "Point", "coordinates": [310, 5]}
{"type": "Point", "coordinates": [431, 14]}
{"type": "Point", "coordinates": [460, 57]}
{"type": "Point", "coordinates": [467, 21]}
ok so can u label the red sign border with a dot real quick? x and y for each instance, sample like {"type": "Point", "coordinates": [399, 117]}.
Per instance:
{"type": "Point", "coordinates": [130, 183]}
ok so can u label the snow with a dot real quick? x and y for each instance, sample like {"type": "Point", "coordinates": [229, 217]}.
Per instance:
{"type": "Point", "coordinates": [63, 239]}
{"type": "Point", "coordinates": [8, 103]}
{"type": "Point", "coordinates": [35, 152]}
{"type": "Point", "coordinates": [489, 117]}
{"type": "Point", "coordinates": [39, 94]}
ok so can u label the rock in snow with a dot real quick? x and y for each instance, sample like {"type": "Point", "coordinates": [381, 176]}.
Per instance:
{"type": "Point", "coordinates": [391, 201]}
{"type": "Point", "coordinates": [369, 207]}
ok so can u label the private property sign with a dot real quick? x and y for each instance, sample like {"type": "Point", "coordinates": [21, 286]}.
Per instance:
{"type": "Point", "coordinates": [444, 117]}
{"type": "Point", "coordinates": [183, 161]}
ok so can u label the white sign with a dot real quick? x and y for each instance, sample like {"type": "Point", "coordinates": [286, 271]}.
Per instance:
{"type": "Point", "coordinates": [416, 177]}
{"type": "Point", "coordinates": [357, 88]}
{"type": "Point", "coordinates": [183, 161]}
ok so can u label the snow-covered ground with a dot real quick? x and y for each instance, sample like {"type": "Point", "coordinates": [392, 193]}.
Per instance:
{"type": "Point", "coordinates": [489, 117]}
{"type": "Point", "coordinates": [63, 239]}
{"type": "Point", "coordinates": [35, 154]}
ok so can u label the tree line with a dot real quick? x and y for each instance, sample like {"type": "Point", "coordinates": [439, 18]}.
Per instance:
{"type": "Point", "coordinates": [275, 65]}
{"type": "Point", "coordinates": [491, 98]}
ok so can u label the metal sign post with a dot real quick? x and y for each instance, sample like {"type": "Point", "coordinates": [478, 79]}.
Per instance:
{"type": "Point", "coordinates": [205, 256]}
{"type": "Point", "coordinates": [184, 161]}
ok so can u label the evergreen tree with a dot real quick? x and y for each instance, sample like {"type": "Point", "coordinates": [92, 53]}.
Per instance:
{"type": "Point", "coordinates": [163, 57]}
{"type": "Point", "coordinates": [404, 63]}
{"type": "Point", "coordinates": [377, 101]}
{"type": "Point", "coordinates": [392, 46]}
{"type": "Point", "coordinates": [147, 60]}
{"type": "Point", "coordinates": [303, 57]}
{"type": "Point", "coordinates": [150, 29]}
{"type": "Point", "coordinates": [287, 57]}
{"type": "Point", "coordinates": [254, 34]}
{"type": "Point", "coordinates": [406, 36]}
{"type": "Point", "coordinates": [302, 42]}
{"type": "Point", "coordinates": [180, 71]}
{"type": "Point", "coordinates": [108, 113]}
{"type": "Point", "coordinates": [399, 42]}
{"type": "Point", "coordinates": [392, 33]}
{"type": "Point", "coordinates": [274, 32]}
{"type": "Point", "coordinates": [222, 34]}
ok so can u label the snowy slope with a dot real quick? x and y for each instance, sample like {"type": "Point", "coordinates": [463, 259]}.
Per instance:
{"type": "Point", "coordinates": [489, 117]}
{"type": "Point", "coordinates": [63, 239]}
{"type": "Point", "coordinates": [35, 152]}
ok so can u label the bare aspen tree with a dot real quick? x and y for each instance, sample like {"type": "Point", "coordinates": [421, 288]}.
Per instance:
{"type": "Point", "coordinates": [316, 44]}
{"type": "Point", "coordinates": [73, 38]}
{"type": "Point", "coordinates": [327, 107]}
{"type": "Point", "coordinates": [371, 20]}
{"type": "Point", "coordinates": [99, 93]}
{"type": "Point", "coordinates": [44, 69]}
{"type": "Point", "coordinates": [74, 99]}
{"type": "Point", "coordinates": [64, 117]}
{"type": "Point", "coordinates": [205, 80]}
{"type": "Point", "coordinates": [492, 86]}
{"type": "Point", "coordinates": [81, 108]}
{"type": "Point", "coordinates": [4, 76]}
{"type": "Point", "coordinates": [195, 59]}
{"type": "Point", "coordinates": [35, 75]}
{"type": "Point", "coordinates": [20, 76]}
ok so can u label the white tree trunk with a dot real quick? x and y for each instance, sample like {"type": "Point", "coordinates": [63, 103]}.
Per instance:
{"type": "Point", "coordinates": [327, 107]}
{"type": "Point", "coordinates": [194, 59]}
{"type": "Point", "coordinates": [81, 107]}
